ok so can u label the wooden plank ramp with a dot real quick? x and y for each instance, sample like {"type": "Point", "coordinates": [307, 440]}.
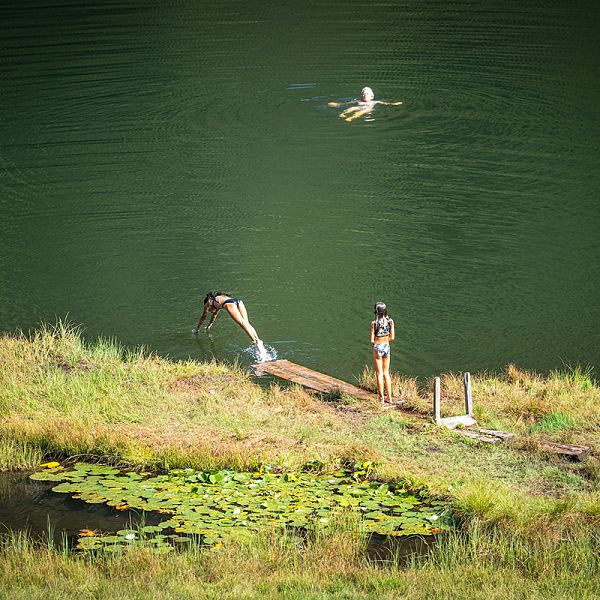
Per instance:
{"type": "Point", "coordinates": [325, 384]}
{"type": "Point", "coordinates": [489, 436]}
{"type": "Point", "coordinates": [285, 369]}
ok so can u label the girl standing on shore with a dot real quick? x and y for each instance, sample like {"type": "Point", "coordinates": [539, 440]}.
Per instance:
{"type": "Point", "coordinates": [382, 333]}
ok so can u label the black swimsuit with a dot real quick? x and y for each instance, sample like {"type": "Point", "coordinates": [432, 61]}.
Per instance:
{"type": "Point", "coordinates": [213, 304]}
{"type": "Point", "coordinates": [235, 301]}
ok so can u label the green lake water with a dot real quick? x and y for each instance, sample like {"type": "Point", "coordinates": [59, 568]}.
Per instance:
{"type": "Point", "coordinates": [151, 151]}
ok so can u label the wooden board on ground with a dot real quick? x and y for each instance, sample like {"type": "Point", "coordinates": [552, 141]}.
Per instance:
{"type": "Point", "coordinates": [314, 380]}
{"type": "Point", "coordinates": [489, 436]}
{"type": "Point", "coordinates": [502, 435]}
{"type": "Point", "coordinates": [480, 437]}
{"type": "Point", "coordinates": [572, 451]}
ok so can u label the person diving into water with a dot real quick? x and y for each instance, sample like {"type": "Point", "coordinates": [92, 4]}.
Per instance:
{"type": "Point", "coordinates": [361, 107]}
{"type": "Point", "coordinates": [215, 301]}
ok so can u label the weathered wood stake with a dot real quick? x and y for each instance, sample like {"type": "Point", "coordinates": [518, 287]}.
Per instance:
{"type": "Point", "coordinates": [437, 400]}
{"type": "Point", "coordinates": [468, 395]}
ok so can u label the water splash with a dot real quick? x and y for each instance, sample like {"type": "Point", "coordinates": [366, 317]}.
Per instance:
{"type": "Point", "coordinates": [262, 353]}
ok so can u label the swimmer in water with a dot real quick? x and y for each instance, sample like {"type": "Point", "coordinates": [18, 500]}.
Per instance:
{"type": "Point", "coordinates": [215, 301]}
{"type": "Point", "coordinates": [363, 106]}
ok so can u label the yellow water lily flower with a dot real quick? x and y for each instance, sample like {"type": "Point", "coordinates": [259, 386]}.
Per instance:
{"type": "Point", "coordinates": [50, 465]}
{"type": "Point", "coordinates": [88, 533]}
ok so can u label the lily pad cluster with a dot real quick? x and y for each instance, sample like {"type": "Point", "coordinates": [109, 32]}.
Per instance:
{"type": "Point", "coordinates": [149, 535]}
{"type": "Point", "coordinates": [213, 506]}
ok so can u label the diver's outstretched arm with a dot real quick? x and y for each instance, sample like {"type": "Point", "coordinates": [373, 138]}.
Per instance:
{"type": "Point", "coordinates": [202, 318]}
{"type": "Point", "coordinates": [212, 320]}
{"type": "Point", "coordinates": [388, 103]}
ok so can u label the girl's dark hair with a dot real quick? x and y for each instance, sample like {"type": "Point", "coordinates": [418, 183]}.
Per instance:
{"type": "Point", "coordinates": [381, 316]}
{"type": "Point", "coordinates": [214, 295]}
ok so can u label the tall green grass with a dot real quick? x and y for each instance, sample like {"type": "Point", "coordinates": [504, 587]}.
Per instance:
{"type": "Point", "coordinates": [553, 422]}
{"type": "Point", "coordinates": [19, 454]}
{"type": "Point", "coordinates": [479, 563]}
{"type": "Point", "coordinates": [578, 376]}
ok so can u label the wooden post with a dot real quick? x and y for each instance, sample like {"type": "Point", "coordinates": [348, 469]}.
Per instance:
{"type": "Point", "coordinates": [468, 395]}
{"type": "Point", "coordinates": [437, 397]}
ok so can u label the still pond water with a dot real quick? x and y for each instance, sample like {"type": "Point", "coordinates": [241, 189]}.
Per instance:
{"type": "Point", "coordinates": [152, 151]}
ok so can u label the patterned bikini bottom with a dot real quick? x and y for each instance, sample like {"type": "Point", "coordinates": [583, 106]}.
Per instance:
{"type": "Point", "coordinates": [382, 349]}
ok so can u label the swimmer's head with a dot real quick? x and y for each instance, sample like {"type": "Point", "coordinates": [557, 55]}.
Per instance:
{"type": "Point", "coordinates": [367, 94]}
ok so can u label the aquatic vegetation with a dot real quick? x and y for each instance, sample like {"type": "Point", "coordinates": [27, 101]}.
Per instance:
{"type": "Point", "coordinates": [217, 505]}
{"type": "Point", "coordinates": [50, 465]}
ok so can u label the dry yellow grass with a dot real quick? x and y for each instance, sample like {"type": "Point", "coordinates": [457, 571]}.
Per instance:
{"type": "Point", "coordinates": [514, 400]}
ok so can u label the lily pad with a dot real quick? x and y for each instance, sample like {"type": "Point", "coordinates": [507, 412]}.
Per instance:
{"type": "Point", "coordinates": [47, 476]}
{"type": "Point", "coordinates": [110, 539]}
{"type": "Point", "coordinates": [114, 549]}
{"type": "Point", "coordinates": [88, 543]}
{"type": "Point", "coordinates": [151, 529]}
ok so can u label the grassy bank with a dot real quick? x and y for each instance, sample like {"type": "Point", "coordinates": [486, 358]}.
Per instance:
{"type": "Point", "coordinates": [329, 564]}
{"type": "Point", "coordinates": [529, 515]}
{"type": "Point", "coordinates": [59, 396]}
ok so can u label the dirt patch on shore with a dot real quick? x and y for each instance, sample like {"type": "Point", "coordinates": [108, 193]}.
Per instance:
{"type": "Point", "coordinates": [199, 382]}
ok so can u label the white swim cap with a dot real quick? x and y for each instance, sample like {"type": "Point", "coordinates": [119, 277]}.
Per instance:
{"type": "Point", "coordinates": [367, 93]}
